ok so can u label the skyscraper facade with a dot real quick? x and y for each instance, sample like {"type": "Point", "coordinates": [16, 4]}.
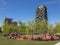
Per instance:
{"type": "Point", "coordinates": [9, 20]}
{"type": "Point", "coordinates": [41, 13]}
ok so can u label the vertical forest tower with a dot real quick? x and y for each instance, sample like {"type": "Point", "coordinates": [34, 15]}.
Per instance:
{"type": "Point", "coordinates": [41, 14]}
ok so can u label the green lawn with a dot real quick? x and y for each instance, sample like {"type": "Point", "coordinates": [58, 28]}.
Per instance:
{"type": "Point", "coordinates": [4, 41]}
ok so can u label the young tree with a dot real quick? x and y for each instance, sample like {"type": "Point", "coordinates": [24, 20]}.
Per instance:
{"type": "Point", "coordinates": [28, 29]}
{"type": "Point", "coordinates": [5, 28]}
{"type": "Point", "coordinates": [50, 29]}
{"type": "Point", "coordinates": [33, 26]}
{"type": "Point", "coordinates": [42, 26]}
{"type": "Point", "coordinates": [22, 27]}
{"type": "Point", "coordinates": [57, 28]}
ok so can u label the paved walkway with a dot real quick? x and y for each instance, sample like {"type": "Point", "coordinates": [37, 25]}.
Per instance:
{"type": "Point", "coordinates": [57, 43]}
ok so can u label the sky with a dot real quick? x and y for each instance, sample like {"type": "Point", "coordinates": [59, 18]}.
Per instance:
{"type": "Point", "coordinates": [25, 10]}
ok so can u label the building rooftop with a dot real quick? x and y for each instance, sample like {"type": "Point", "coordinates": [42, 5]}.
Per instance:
{"type": "Point", "coordinates": [42, 6]}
